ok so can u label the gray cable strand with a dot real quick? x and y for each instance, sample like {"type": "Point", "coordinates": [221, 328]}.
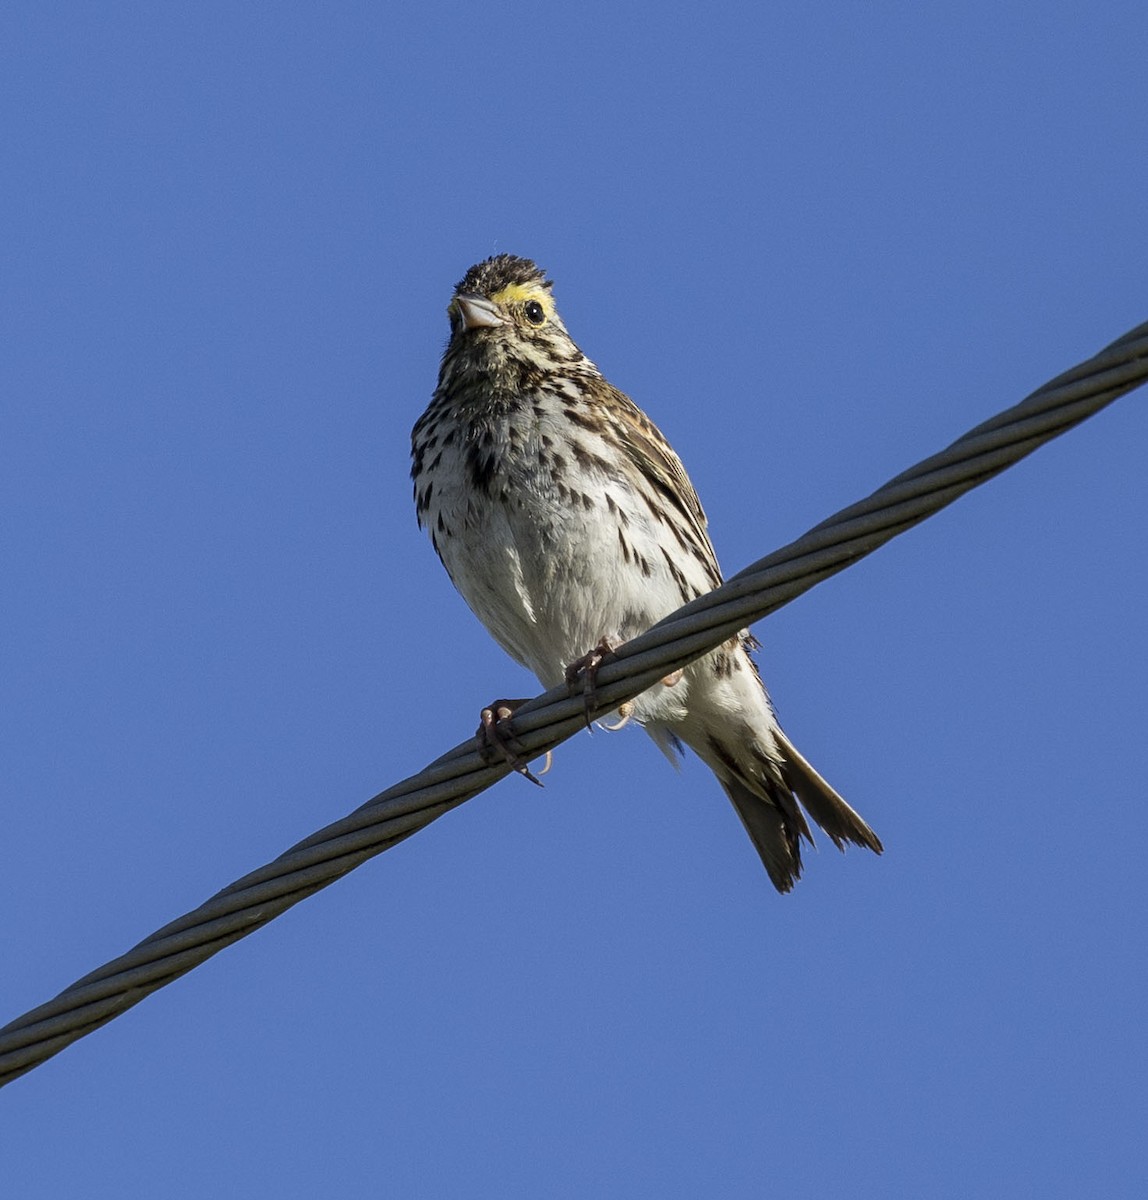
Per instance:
{"type": "Point", "coordinates": [551, 718]}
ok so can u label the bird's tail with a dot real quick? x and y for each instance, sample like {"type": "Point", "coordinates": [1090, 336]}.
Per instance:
{"type": "Point", "coordinates": [722, 712]}
{"type": "Point", "coordinates": [767, 800]}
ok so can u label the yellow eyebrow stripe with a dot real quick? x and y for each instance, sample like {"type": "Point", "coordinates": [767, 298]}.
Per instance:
{"type": "Point", "coordinates": [516, 293]}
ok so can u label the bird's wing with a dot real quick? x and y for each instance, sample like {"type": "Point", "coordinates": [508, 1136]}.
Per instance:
{"type": "Point", "coordinates": [649, 451]}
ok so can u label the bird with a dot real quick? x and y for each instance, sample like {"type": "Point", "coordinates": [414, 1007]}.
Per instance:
{"type": "Point", "coordinates": [569, 525]}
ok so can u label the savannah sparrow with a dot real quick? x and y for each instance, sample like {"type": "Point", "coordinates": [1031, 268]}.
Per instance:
{"type": "Point", "coordinates": [569, 525]}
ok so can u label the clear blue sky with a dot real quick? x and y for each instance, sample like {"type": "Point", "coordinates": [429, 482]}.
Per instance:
{"type": "Point", "coordinates": [816, 243]}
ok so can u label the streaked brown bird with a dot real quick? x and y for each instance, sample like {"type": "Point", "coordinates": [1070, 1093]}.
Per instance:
{"type": "Point", "coordinates": [569, 525]}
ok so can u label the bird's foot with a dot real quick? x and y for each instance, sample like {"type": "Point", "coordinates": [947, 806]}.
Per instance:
{"type": "Point", "coordinates": [625, 712]}
{"type": "Point", "coordinates": [585, 670]}
{"type": "Point", "coordinates": [496, 741]}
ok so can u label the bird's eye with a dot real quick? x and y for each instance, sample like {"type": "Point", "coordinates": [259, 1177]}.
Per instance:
{"type": "Point", "coordinates": [535, 313]}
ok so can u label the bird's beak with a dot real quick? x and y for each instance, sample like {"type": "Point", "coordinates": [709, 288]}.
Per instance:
{"type": "Point", "coordinates": [478, 312]}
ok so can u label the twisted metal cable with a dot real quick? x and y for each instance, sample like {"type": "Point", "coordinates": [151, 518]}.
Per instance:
{"type": "Point", "coordinates": [551, 718]}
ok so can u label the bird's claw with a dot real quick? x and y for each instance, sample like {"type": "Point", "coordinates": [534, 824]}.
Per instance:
{"type": "Point", "coordinates": [586, 669]}
{"type": "Point", "coordinates": [495, 741]}
{"type": "Point", "coordinates": [625, 712]}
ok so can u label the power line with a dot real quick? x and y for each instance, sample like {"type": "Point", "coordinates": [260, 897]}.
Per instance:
{"type": "Point", "coordinates": [551, 718]}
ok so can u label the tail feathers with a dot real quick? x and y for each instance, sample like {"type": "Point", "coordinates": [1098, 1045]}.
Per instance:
{"type": "Point", "coordinates": [774, 832]}
{"type": "Point", "coordinates": [774, 822]}
{"type": "Point", "coordinates": [822, 803]}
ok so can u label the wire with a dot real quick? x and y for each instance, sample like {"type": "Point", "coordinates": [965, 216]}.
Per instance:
{"type": "Point", "coordinates": [551, 718]}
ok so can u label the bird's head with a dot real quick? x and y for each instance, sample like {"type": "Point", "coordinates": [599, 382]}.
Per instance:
{"type": "Point", "coordinates": [507, 295]}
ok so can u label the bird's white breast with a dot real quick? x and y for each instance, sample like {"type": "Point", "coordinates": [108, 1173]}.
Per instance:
{"type": "Point", "coordinates": [553, 554]}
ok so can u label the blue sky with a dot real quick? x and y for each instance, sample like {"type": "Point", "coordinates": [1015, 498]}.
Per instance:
{"type": "Point", "coordinates": [815, 243]}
